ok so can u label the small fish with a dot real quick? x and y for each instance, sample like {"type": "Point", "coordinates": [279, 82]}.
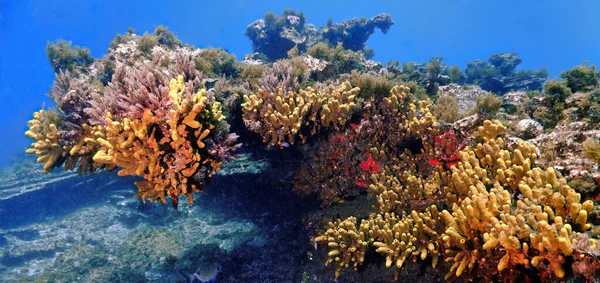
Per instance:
{"type": "Point", "coordinates": [206, 272]}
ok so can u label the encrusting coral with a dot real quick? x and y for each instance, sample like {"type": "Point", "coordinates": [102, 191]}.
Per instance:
{"type": "Point", "coordinates": [281, 118]}
{"type": "Point", "coordinates": [168, 151]}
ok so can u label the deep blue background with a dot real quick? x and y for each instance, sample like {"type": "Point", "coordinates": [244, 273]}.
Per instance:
{"type": "Point", "coordinates": [552, 34]}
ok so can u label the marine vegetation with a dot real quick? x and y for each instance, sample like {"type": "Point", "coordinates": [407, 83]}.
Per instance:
{"type": "Point", "coordinates": [274, 36]}
{"type": "Point", "coordinates": [581, 78]}
{"type": "Point", "coordinates": [166, 129]}
{"type": "Point", "coordinates": [488, 214]}
{"type": "Point", "coordinates": [498, 74]}
{"type": "Point", "coordinates": [445, 183]}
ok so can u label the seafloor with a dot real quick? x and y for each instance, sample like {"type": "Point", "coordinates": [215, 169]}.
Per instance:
{"type": "Point", "coordinates": [68, 228]}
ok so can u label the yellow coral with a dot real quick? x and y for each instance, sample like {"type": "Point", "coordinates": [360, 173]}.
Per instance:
{"type": "Point", "coordinates": [47, 145]}
{"type": "Point", "coordinates": [166, 153]}
{"type": "Point", "coordinates": [398, 239]}
{"type": "Point", "coordinates": [54, 152]}
{"type": "Point", "coordinates": [500, 201]}
{"type": "Point", "coordinates": [347, 243]}
{"type": "Point", "coordinates": [280, 117]}
{"type": "Point", "coordinates": [397, 192]}
{"type": "Point", "coordinates": [84, 149]}
{"type": "Point", "coordinates": [482, 184]}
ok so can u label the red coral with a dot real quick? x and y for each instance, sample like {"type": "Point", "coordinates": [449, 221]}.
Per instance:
{"type": "Point", "coordinates": [339, 138]}
{"type": "Point", "coordinates": [446, 149]}
{"type": "Point", "coordinates": [370, 165]}
{"type": "Point", "coordinates": [361, 184]}
{"type": "Point", "coordinates": [434, 162]}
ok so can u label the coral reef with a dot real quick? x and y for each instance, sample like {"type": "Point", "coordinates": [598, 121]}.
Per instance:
{"type": "Point", "coordinates": [499, 201]}
{"type": "Point", "coordinates": [168, 151]}
{"type": "Point", "coordinates": [484, 174]}
{"type": "Point", "coordinates": [498, 74]}
{"type": "Point", "coordinates": [274, 37]}
{"type": "Point", "coordinates": [354, 33]}
{"type": "Point", "coordinates": [281, 118]}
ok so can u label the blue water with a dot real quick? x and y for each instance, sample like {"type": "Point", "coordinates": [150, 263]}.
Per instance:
{"type": "Point", "coordinates": [552, 34]}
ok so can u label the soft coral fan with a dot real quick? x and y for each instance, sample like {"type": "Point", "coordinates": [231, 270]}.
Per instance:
{"type": "Point", "coordinates": [142, 86]}
{"type": "Point", "coordinates": [71, 93]}
{"type": "Point", "coordinates": [278, 77]}
{"type": "Point", "coordinates": [130, 92]}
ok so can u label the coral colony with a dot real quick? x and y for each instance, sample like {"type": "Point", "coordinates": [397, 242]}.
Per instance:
{"type": "Point", "coordinates": [469, 197]}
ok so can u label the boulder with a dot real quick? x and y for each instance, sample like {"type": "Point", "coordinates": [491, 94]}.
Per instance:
{"type": "Point", "coordinates": [528, 129]}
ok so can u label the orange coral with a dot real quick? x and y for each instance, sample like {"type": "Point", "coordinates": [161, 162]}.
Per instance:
{"type": "Point", "coordinates": [170, 153]}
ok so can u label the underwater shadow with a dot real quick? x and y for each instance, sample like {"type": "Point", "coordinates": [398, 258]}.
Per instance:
{"type": "Point", "coordinates": [57, 199]}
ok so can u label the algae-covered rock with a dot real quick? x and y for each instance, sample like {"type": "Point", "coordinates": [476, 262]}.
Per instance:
{"type": "Point", "coordinates": [528, 129]}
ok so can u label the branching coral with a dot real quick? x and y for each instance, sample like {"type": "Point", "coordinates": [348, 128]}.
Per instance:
{"type": "Point", "coordinates": [169, 151]}
{"type": "Point", "coordinates": [348, 244]}
{"type": "Point", "coordinates": [349, 160]}
{"type": "Point", "coordinates": [42, 129]}
{"type": "Point", "coordinates": [530, 228]}
{"type": "Point", "coordinates": [502, 210]}
{"type": "Point", "coordinates": [124, 112]}
{"type": "Point", "coordinates": [281, 117]}
{"type": "Point", "coordinates": [398, 239]}
{"type": "Point", "coordinates": [54, 151]}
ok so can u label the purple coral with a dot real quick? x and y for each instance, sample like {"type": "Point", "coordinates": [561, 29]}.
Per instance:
{"type": "Point", "coordinates": [279, 76]}
{"type": "Point", "coordinates": [223, 147]}
{"type": "Point", "coordinates": [130, 92]}
{"type": "Point", "coordinates": [71, 95]}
